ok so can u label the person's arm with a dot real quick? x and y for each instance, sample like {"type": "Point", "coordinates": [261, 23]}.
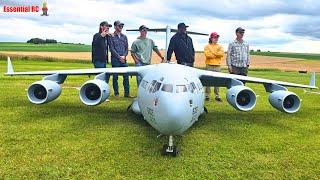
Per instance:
{"type": "Point", "coordinates": [192, 49]}
{"type": "Point", "coordinates": [208, 53]}
{"type": "Point", "coordinates": [96, 38]}
{"type": "Point", "coordinates": [170, 48]}
{"type": "Point", "coordinates": [220, 52]}
{"type": "Point", "coordinates": [229, 57]}
{"type": "Point", "coordinates": [155, 49]}
{"type": "Point", "coordinates": [248, 55]}
{"type": "Point", "coordinates": [133, 52]}
{"type": "Point", "coordinates": [126, 46]}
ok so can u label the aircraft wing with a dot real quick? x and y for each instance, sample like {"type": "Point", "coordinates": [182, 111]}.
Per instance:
{"type": "Point", "coordinates": [209, 78]}
{"type": "Point", "coordinates": [93, 71]}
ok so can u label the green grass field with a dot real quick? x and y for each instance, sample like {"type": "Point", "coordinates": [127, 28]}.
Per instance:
{"type": "Point", "coordinates": [307, 56]}
{"type": "Point", "coordinates": [59, 47]}
{"type": "Point", "coordinates": [66, 139]}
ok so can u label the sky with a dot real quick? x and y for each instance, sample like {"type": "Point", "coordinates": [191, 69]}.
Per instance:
{"type": "Point", "coordinates": [286, 26]}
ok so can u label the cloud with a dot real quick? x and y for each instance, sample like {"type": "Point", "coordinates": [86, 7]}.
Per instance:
{"type": "Point", "coordinates": [268, 24]}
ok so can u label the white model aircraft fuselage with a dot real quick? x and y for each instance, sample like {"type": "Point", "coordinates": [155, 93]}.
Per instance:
{"type": "Point", "coordinates": [170, 99]}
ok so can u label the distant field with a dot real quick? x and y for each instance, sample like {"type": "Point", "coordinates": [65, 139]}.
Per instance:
{"type": "Point", "coordinates": [289, 55]}
{"type": "Point", "coordinates": [13, 46]}
{"type": "Point", "coordinates": [68, 140]}
{"type": "Point", "coordinates": [16, 46]}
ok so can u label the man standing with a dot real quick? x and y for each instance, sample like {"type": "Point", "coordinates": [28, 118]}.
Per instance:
{"type": "Point", "coordinates": [141, 50]}
{"type": "Point", "coordinates": [100, 45]}
{"type": "Point", "coordinates": [214, 53]}
{"type": "Point", "coordinates": [238, 59]}
{"type": "Point", "coordinates": [119, 52]}
{"type": "Point", "coordinates": [182, 46]}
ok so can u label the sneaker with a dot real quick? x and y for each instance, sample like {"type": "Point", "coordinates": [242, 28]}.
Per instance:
{"type": "Point", "coordinates": [116, 95]}
{"type": "Point", "coordinates": [207, 99]}
{"type": "Point", "coordinates": [129, 96]}
{"type": "Point", "coordinates": [218, 99]}
{"type": "Point", "coordinates": [107, 100]}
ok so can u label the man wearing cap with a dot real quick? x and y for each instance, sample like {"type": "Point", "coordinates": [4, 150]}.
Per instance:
{"type": "Point", "coordinates": [100, 45]}
{"type": "Point", "coordinates": [214, 54]}
{"type": "Point", "coordinates": [119, 52]}
{"type": "Point", "coordinates": [182, 46]}
{"type": "Point", "coordinates": [238, 59]}
{"type": "Point", "coordinates": [141, 50]}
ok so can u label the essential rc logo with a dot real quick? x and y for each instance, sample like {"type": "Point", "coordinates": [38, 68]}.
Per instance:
{"type": "Point", "coordinates": [27, 9]}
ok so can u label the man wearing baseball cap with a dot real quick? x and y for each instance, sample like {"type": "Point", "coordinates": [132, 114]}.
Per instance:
{"type": "Point", "coordinates": [214, 54]}
{"type": "Point", "coordinates": [100, 44]}
{"type": "Point", "coordinates": [141, 50]}
{"type": "Point", "coordinates": [182, 46]}
{"type": "Point", "coordinates": [119, 52]}
{"type": "Point", "coordinates": [238, 55]}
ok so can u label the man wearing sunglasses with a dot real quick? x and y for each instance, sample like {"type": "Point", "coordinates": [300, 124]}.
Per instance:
{"type": "Point", "coordinates": [238, 59]}
{"type": "Point", "coordinates": [141, 50]}
{"type": "Point", "coordinates": [119, 52]}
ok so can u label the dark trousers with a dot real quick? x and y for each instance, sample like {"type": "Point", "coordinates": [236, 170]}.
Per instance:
{"type": "Point", "coordinates": [101, 64]}
{"type": "Point", "coordinates": [186, 63]}
{"type": "Point", "coordinates": [115, 64]}
{"type": "Point", "coordinates": [239, 70]}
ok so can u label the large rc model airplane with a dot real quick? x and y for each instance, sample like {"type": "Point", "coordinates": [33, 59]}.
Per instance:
{"type": "Point", "coordinates": [170, 97]}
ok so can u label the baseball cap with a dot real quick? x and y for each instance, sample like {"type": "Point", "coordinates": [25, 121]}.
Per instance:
{"type": "Point", "coordinates": [116, 23]}
{"type": "Point", "coordinates": [240, 29]}
{"type": "Point", "coordinates": [143, 27]}
{"type": "Point", "coordinates": [214, 34]}
{"type": "Point", "coordinates": [182, 25]}
{"type": "Point", "coordinates": [105, 23]}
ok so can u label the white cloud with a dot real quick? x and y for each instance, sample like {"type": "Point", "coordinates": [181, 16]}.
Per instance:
{"type": "Point", "coordinates": [270, 25]}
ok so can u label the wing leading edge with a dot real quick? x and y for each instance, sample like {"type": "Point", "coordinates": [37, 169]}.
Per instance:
{"type": "Point", "coordinates": [131, 71]}
{"type": "Point", "coordinates": [209, 78]}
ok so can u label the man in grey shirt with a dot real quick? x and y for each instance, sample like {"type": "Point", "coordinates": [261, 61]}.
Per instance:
{"type": "Point", "coordinates": [238, 59]}
{"type": "Point", "coordinates": [119, 52]}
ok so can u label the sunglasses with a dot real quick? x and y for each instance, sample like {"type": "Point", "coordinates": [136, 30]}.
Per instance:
{"type": "Point", "coordinates": [143, 30]}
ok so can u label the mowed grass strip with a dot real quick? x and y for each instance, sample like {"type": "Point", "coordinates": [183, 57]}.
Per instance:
{"type": "Point", "coordinates": [59, 47]}
{"type": "Point", "coordinates": [66, 139]}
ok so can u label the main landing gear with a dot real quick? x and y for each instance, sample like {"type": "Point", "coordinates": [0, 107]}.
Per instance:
{"type": "Point", "coordinates": [170, 149]}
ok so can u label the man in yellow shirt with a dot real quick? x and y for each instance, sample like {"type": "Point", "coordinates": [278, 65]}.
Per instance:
{"type": "Point", "coordinates": [214, 54]}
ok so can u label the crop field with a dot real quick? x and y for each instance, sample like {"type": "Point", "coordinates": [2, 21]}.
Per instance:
{"type": "Point", "coordinates": [66, 139]}
{"type": "Point", "coordinates": [59, 47]}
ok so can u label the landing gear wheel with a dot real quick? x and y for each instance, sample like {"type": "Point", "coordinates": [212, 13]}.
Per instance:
{"type": "Point", "coordinates": [175, 151]}
{"type": "Point", "coordinates": [164, 150]}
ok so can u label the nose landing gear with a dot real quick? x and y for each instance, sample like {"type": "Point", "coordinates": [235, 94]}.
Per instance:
{"type": "Point", "coordinates": [170, 149]}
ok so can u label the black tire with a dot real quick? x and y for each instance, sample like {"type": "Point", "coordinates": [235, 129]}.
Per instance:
{"type": "Point", "coordinates": [164, 150]}
{"type": "Point", "coordinates": [175, 151]}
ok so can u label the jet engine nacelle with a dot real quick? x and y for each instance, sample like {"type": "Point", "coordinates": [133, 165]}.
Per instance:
{"type": "Point", "coordinates": [44, 91]}
{"type": "Point", "coordinates": [285, 101]}
{"type": "Point", "coordinates": [241, 98]}
{"type": "Point", "coordinates": [94, 92]}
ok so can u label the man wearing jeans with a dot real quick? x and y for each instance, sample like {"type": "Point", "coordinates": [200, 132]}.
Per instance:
{"type": "Point", "coordinates": [141, 50]}
{"type": "Point", "coordinates": [119, 52]}
{"type": "Point", "coordinates": [238, 59]}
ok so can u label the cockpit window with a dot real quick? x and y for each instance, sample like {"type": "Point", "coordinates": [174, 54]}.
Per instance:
{"type": "Point", "coordinates": [192, 87]}
{"type": "Point", "coordinates": [167, 88]}
{"type": "Point", "coordinates": [152, 85]}
{"type": "Point", "coordinates": [181, 88]}
{"type": "Point", "coordinates": [156, 87]}
{"type": "Point", "coordinates": [144, 84]}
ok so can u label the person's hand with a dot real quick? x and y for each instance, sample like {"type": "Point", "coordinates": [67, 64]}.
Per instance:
{"type": "Point", "coordinates": [105, 32]}
{"type": "Point", "coordinates": [162, 60]}
{"type": "Point", "coordinates": [122, 59]}
{"type": "Point", "coordinates": [230, 69]}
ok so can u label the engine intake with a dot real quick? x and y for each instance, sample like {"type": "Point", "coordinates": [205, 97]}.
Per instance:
{"type": "Point", "coordinates": [241, 98]}
{"type": "Point", "coordinates": [285, 101]}
{"type": "Point", "coordinates": [44, 91]}
{"type": "Point", "coordinates": [94, 92]}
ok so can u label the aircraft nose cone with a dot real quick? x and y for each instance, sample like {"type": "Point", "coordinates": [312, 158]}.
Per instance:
{"type": "Point", "coordinates": [175, 114]}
